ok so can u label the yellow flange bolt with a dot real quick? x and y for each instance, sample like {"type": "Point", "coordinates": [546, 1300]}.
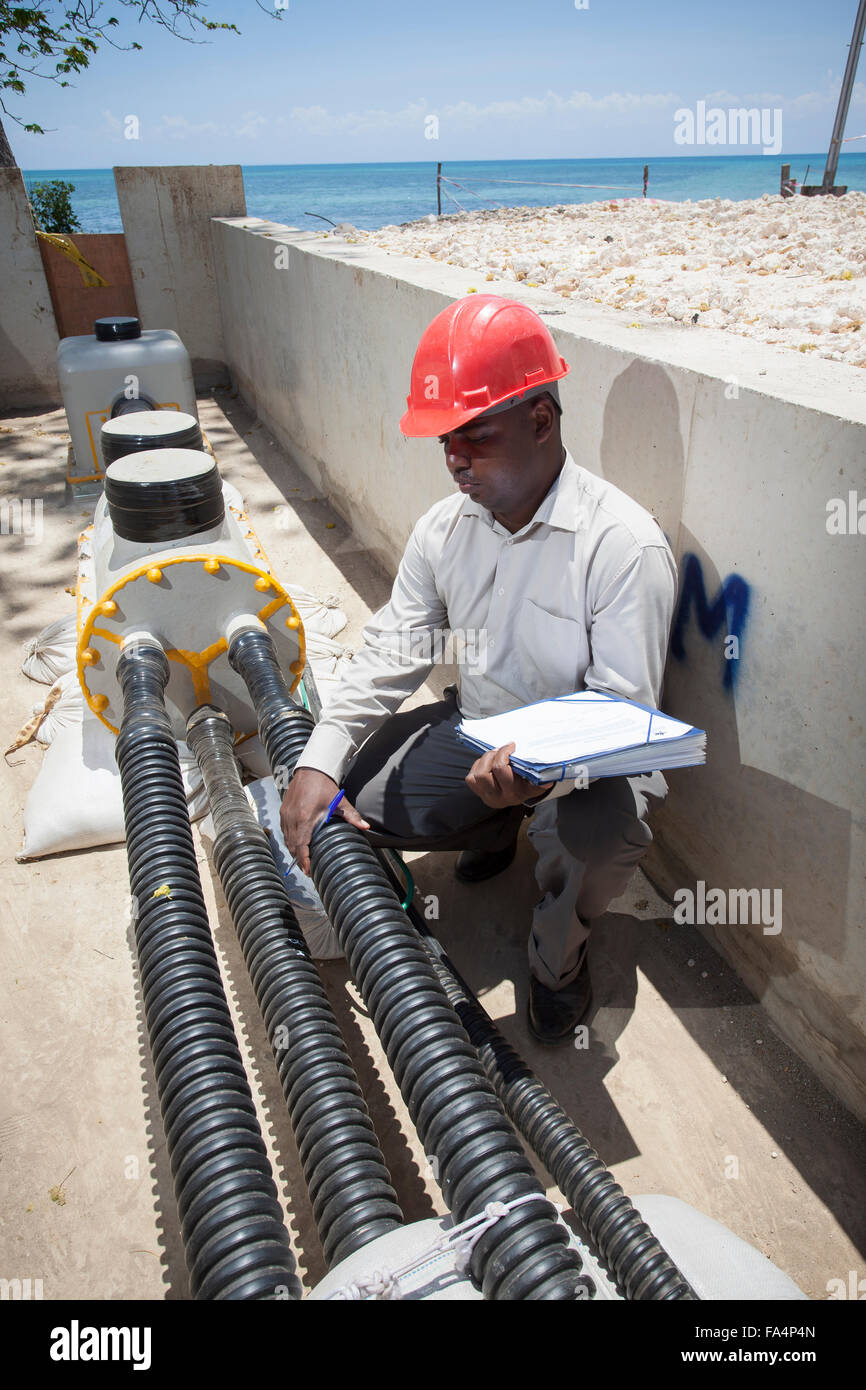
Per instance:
{"type": "Point", "coordinates": [296, 668]}
{"type": "Point", "coordinates": [212, 565]}
{"type": "Point", "coordinates": [154, 574]}
{"type": "Point", "coordinates": [293, 622]}
{"type": "Point", "coordinates": [89, 656]}
{"type": "Point", "coordinates": [99, 703]}
{"type": "Point", "coordinates": [109, 608]}
{"type": "Point", "coordinates": [262, 584]}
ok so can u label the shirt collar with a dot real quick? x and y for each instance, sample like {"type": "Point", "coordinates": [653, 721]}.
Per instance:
{"type": "Point", "coordinates": [559, 508]}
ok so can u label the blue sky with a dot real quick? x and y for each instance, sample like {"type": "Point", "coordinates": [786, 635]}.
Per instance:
{"type": "Point", "coordinates": [337, 81]}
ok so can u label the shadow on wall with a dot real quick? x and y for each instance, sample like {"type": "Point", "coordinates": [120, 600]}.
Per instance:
{"type": "Point", "coordinates": [729, 813]}
{"type": "Point", "coordinates": [731, 820]}
{"type": "Point", "coordinates": [20, 383]}
{"type": "Point", "coordinates": [642, 448]}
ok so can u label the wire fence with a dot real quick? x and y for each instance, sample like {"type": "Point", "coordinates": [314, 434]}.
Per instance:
{"type": "Point", "coordinates": [442, 179]}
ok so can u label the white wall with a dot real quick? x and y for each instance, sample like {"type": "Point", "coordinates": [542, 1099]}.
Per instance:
{"type": "Point", "coordinates": [166, 212]}
{"type": "Point", "coordinates": [28, 333]}
{"type": "Point", "coordinates": [737, 448]}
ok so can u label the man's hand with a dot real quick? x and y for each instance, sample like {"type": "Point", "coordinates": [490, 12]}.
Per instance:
{"type": "Point", "coordinates": [304, 807]}
{"type": "Point", "coordinates": [493, 779]}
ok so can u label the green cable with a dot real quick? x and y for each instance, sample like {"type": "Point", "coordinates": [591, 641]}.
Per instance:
{"type": "Point", "coordinates": [303, 691]}
{"type": "Point", "coordinates": [407, 877]}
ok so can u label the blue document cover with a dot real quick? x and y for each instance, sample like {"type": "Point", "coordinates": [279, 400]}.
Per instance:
{"type": "Point", "coordinates": [589, 734]}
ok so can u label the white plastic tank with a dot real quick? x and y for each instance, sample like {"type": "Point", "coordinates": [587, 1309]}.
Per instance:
{"type": "Point", "coordinates": [116, 368]}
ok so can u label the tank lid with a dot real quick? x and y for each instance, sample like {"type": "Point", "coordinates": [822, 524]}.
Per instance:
{"type": "Point", "coordinates": [152, 424]}
{"type": "Point", "coordinates": [115, 327]}
{"type": "Point", "coordinates": [160, 467]}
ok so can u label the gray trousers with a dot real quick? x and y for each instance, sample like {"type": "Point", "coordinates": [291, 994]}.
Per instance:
{"type": "Point", "coordinates": [408, 781]}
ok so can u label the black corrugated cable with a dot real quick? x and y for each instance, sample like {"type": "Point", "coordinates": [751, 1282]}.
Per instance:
{"type": "Point", "coordinates": [479, 1159]}
{"type": "Point", "coordinates": [349, 1185]}
{"type": "Point", "coordinates": [235, 1241]}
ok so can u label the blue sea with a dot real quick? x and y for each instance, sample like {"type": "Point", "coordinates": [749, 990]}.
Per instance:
{"type": "Point", "coordinates": [376, 195]}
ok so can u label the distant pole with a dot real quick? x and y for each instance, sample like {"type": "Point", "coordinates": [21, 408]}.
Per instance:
{"type": "Point", "coordinates": [439, 189]}
{"type": "Point", "coordinates": [844, 99]}
{"type": "Point", "coordinates": [645, 178]}
{"type": "Point", "coordinates": [785, 185]}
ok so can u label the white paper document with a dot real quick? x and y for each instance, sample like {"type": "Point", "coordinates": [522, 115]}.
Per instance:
{"type": "Point", "coordinates": [591, 731]}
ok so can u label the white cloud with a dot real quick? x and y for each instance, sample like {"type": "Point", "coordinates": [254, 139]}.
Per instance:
{"type": "Point", "coordinates": [318, 120]}
{"type": "Point", "coordinates": [466, 115]}
{"type": "Point", "coordinates": [613, 103]}
{"type": "Point", "coordinates": [113, 126]}
{"type": "Point", "coordinates": [251, 123]}
{"type": "Point", "coordinates": [722, 98]}
{"type": "Point", "coordinates": [179, 128]}
{"type": "Point", "coordinates": [761, 99]}
{"type": "Point", "coordinates": [809, 103]}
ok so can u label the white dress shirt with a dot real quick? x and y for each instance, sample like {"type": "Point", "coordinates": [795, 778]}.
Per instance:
{"type": "Point", "coordinates": [581, 597]}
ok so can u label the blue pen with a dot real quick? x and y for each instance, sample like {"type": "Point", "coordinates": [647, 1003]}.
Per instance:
{"type": "Point", "coordinates": [331, 809]}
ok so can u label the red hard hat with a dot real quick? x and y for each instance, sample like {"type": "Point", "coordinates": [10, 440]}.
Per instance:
{"type": "Point", "coordinates": [479, 352]}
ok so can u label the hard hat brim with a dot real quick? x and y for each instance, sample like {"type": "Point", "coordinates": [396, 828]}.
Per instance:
{"type": "Point", "coordinates": [429, 424]}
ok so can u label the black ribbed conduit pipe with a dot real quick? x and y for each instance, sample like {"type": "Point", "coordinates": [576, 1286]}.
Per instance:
{"type": "Point", "coordinates": [350, 1189]}
{"type": "Point", "coordinates": [234, 1238]}
{"type": "Point", "coordinates": [461, 1123]}
{"type": "Point", "coordinates": [633, 1255]}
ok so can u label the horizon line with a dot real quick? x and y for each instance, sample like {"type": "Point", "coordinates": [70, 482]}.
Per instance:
{"type": "Point", "coordinates": [386, 163]}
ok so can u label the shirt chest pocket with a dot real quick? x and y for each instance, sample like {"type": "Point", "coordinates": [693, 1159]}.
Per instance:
{"type": "Point", "coordinates": [552, 652]}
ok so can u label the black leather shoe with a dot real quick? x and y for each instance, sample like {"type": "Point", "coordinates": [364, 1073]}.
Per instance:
{"type": "Point", "coordinates": [474, 865]}
{"type": "Point", "coordinates": [553, 1015]}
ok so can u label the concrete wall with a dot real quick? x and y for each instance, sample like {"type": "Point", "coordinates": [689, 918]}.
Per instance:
{"type": "Point", "coordinates": [28, 336]}
{"type": "Point", "coordinates": [166, 216]}
{"type": "Point", "coordinates": [737, 448]}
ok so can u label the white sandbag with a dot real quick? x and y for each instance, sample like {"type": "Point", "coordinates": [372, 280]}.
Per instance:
{"type": "Point", "coordinates": [320, 615]}
{"type": "Point", "coordinates": [68, 707]}
{"type": "Point", "coordinates": [328, 660]}
{"type": "Point", "coordinates": [251, 755]}
{"type": "Point", "coordinates": [312, 918]}
{"type": "Point", "coordinates": [76, 801]}
{"type": "Point", "coordinates": [52, 652]}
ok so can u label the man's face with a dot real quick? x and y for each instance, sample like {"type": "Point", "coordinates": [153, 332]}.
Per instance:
{"type": "Point", "coordinates": [495, 461]}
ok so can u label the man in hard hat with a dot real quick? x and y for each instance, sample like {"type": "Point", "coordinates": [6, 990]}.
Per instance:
{"type": "Point", "coordinates": [555, 581]}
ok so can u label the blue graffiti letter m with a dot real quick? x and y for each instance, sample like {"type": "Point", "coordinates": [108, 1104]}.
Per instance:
{"type": "Point", "coordinates": [727, 612]}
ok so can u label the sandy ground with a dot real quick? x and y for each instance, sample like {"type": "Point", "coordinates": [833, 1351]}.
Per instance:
{"type": "Point", "coordinates": [685, 1088]}
{"type": "Point", "coordinates": [787, 271]}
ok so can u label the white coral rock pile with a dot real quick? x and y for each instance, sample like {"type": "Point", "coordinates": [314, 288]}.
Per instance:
{"type": "Point", "coordinates": [791, 272]}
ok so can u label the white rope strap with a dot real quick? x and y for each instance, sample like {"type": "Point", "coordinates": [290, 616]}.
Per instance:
{"type": "Point", "coordinates": [458, 1242]}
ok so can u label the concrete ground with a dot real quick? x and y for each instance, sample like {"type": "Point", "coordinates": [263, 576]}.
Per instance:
{"type": "Point", "coordinates": [685, 1088]}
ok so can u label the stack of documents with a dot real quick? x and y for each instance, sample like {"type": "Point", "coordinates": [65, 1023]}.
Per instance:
{"type": "Point", "coordinates": [588, 734]}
